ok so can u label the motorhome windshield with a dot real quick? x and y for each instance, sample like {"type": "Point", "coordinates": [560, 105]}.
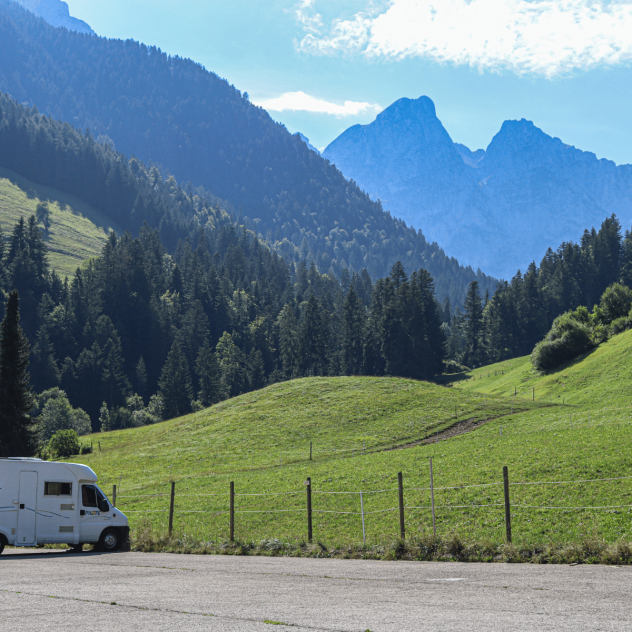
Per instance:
{"type": "Point", "coordinates": [91, 495]}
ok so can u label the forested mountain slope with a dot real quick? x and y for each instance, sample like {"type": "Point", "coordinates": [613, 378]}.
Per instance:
{"type": "Point", "coordinates": [125, 194]}
{"type": "Point", "coordinates": [174, 112]}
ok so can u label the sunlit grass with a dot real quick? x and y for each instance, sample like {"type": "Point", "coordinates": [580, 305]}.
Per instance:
{"type": "Point", "coordinates": [77, 231]}
{"type": "Point", "coordinates": [261, 442]}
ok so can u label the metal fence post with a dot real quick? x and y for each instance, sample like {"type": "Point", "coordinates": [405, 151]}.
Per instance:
{"type": "Point", "coordinates": [309, 509]}
{"type": "Point", "coordinates": [434, 522]}
{"type": "Point", "coordinates": [402, 525]}
{"type": "Point", "coordinates": [171, 504]}
{"type": "Point", "coordinates": [113, 495]}
{"type": "Point", "coordinates": [507, 505]}
{"type": "Point", "coordinates": [232, 511]}
{"type": "Point", "coordinates": [362, 512]}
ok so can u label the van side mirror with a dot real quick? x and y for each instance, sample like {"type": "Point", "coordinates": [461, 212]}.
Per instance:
{"type": "Point", "coordinates": [104, 506]}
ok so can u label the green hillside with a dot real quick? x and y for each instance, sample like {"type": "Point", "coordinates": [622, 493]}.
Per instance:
{"type": "Point", "coordinates": [77, 230]}
{"type": "Point", "coordinates": [261, 442]}
{"type": "Point", "coordinates": [601, 377]}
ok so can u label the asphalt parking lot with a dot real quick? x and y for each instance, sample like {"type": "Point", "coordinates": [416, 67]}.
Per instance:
{"type": "Point", "coordinates": [143, 591]}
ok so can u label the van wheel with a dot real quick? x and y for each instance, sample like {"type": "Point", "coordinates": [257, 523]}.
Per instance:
{"type": "Point", "coordinates": [3, 543]}
{"type": "Point", "coordinates": [110, 540]}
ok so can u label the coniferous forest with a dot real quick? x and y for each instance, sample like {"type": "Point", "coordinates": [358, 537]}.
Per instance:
{"type": "Point", "coordinates": [221, 316]}
{"type": "Point", "coordinates": [172, 112]}
{"type": "Point", "coordinates": [520, 313]}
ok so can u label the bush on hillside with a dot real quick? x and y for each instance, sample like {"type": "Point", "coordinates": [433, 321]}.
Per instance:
{"type": "Point", "coordinates": [615, 303]}
{"type": "Point", "coordinates": [620, 325]}
{"type": "Point", "coordinates": [64, 443]}
{"type": "Point", "coordinates": [568, 338]}
{"type": "Point", "coordinates": [452, 366]}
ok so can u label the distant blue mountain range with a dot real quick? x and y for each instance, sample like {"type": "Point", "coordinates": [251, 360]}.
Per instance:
{"type": "Point", "coordinates": [497, 209]}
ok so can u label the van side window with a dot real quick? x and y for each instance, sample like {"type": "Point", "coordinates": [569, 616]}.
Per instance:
{"type": "Point", "coordinates": [57, 489]}
{"type": "Point", "coordinates": [89, 496]}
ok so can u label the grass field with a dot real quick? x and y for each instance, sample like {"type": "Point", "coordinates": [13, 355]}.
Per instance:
{"type": "Point", "coordinates": [261, 442]}
{"type": "Point", "coordinates": [77, 230]}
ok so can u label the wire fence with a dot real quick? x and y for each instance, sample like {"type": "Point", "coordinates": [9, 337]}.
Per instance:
{"type": "Point", "coordinates": [312, 503]}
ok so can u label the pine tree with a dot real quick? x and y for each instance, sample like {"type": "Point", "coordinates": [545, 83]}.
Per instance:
{"type": "Point", "coordinates": [312, 337]}
{"type": "Point", "coordinates": [18, 436]}
{"type": "Point", "coordinates": [209, 376]}
{"type": "Point", "coordinates": [44, 370]}
{"type": "Point", "coordinates": [256, 370]}
{"type": "Point", "coordinates": [140, 374]}
{"type": "Point", "coordinates": [353, 326]}
{"type": "Point", "coordinates": [473, 326]}
{"type": "Point", "coordinates": [175, 384]}
{"type": "Point", "coordinates": [288, 341]}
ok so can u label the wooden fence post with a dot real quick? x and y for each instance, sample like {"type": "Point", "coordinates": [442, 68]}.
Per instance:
{"type": "Point", "coordinates": [434, 522]}
{"type": "Point", "coordinates": [232, 511]}
{"type": "Point", "coordinates": [310, 450]}
{"type": "Point", "coordinates": [171, 504]}
{"type": "Point", "coordinates": [113, 495]}
{"type": "Point", "coordinates": [309, 509]}
{"type": "Point", "coordinates": [507, 505]}
{"type": "Point", "coordinates": [402, 525]}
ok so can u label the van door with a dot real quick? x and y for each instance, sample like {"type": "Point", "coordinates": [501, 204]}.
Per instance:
{"type": "Point", "coordinates": [27, 509]}
{"type": "Point", "coordinates": [92, 519]}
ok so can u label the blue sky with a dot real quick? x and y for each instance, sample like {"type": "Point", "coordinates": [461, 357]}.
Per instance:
{"type": "Point", "coordinates": [324, 65]}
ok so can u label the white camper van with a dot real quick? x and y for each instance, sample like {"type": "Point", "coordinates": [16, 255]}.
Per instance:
{"type": "Point", "coordinates": [45, 502]}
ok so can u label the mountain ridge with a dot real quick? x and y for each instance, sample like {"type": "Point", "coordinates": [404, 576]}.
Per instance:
{"type": "Point", "coordinates": [56, 13]}
{"type": "Point", "coordinates": [525, 192]}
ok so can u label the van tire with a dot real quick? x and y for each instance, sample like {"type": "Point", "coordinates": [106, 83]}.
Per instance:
{"type": "Point", "coordinates": [110, 540]}
{"type": "Point", "coordinates": [3, 543]}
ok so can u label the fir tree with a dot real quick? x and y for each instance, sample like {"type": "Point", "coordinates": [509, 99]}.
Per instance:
{"type": "Point", "coordinates": [353, 325]}
{"type": "Point", "coordinates": [256, 370]}
{"type": "Point", "coordinates": [140, 373]}
{"type": "Point", "coordinates": [288, 341]}
{"type": "Point", "coordinates": [18, 436]}
{"type": "Point", "coordinates": [473, 327]}
{"type": "Point", "coordinates": [208, 374]}
{"type": "Point", "coordinates": [175, 384]}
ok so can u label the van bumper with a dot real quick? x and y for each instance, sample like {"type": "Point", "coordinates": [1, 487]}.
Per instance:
{"type": "Point", "coordinates": [125, 545]}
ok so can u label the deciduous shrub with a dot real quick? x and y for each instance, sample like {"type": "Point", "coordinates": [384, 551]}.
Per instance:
{"type": "Point", "coordinates": [615, 303]}
{"type": "Point", "coordinates": [64, 443]}
{"type": "Point", "coordinates": [568, 338]}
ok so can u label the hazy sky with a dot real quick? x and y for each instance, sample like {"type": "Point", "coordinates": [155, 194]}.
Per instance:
{"type": "Point", "coordinates": [320, 66]}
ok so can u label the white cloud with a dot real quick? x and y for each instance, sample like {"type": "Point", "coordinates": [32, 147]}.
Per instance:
{"type": "Point", "coordinates": [300, 101]}
{"type": "Point", "coordinates": [546, 37]}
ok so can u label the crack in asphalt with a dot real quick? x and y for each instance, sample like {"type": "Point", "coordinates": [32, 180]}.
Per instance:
{"type": "Point", "coordinates": [170, 611]}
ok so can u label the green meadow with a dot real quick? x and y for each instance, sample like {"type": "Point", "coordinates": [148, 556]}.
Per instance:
{"type": "Point", "coordinates": [562, 443]}
{"type": "Point", "coordinates": [77, 231]}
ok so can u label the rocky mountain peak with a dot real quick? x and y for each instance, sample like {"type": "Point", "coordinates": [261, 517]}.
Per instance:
{"type": "Point", "coordinates": [497, 209]}
{"type": "Point", "coordinates": [56, 13]}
